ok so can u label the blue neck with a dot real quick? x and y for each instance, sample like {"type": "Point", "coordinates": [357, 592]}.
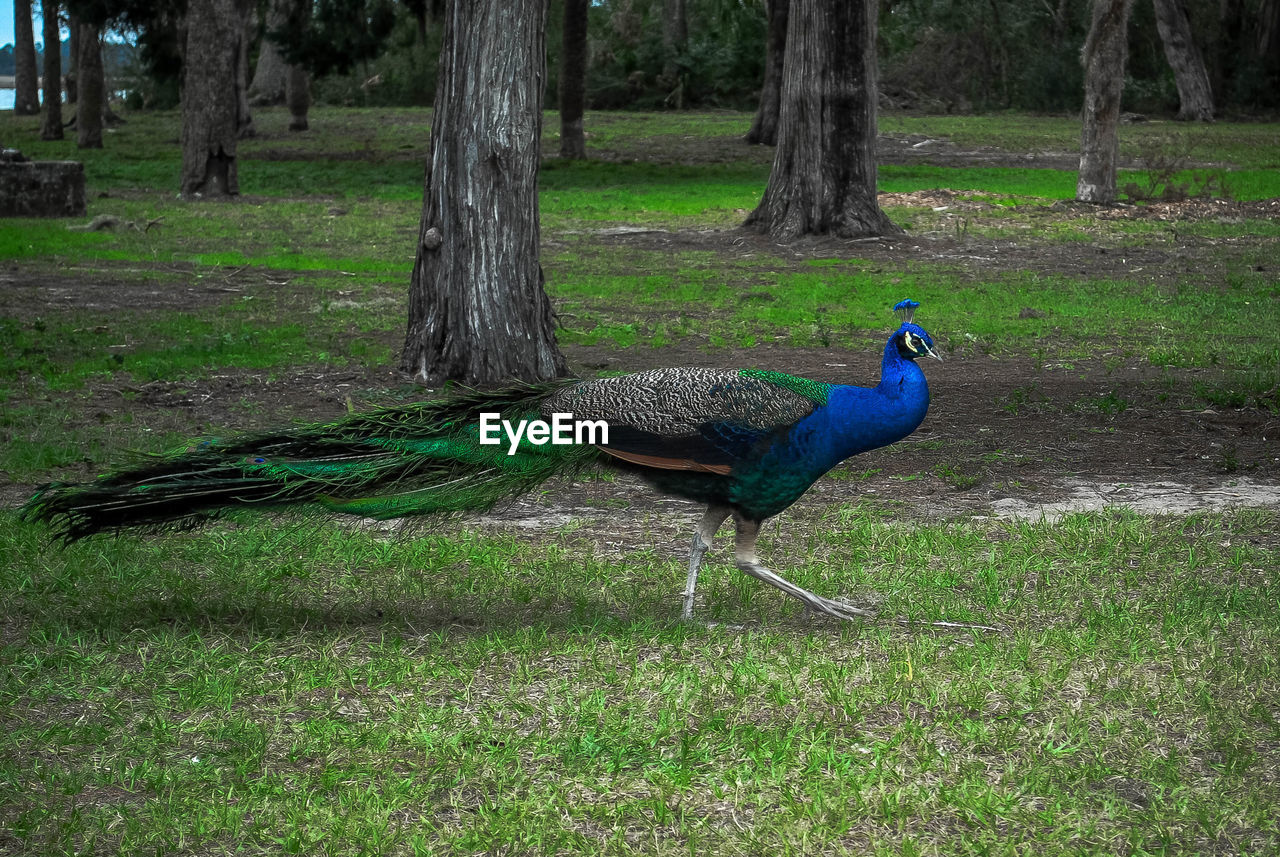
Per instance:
{"type": "Point", "coordinates": [900, 376]}
{"type": "Point", "coordinates": [857, 419]}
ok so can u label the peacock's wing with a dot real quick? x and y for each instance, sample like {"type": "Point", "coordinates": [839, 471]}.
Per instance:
{"type": "Point", "coordinates": [691, 419]}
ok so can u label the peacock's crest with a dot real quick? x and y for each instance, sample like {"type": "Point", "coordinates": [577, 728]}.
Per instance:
{"type": "Point", "coordinates": [906, 310]}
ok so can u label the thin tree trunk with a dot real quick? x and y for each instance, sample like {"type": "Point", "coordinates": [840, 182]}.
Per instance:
{"type": "Point", "coordinates": [675, 40]}
{"type": "Point", "coordinates": [1104, 56]}
{"type": "Point", "coordinates": [51, 125]}
{"type": "Point", "coordinates": [478, 312]}
{"type": "Point", "coordinates": [91, 107]}
{"type": "Point", "coordinates": [211, 99]}
{"type": "Point", "coordinates": [1268, 38]}
{"type": "Point", "coordinates": [244, 118]}
{"type": "Point", "coordinates": [1195, 96]}
{"type": "Point", "coordinates": [298, 95]}
{"type": "Point", "coordinates": [270, 75]}
{"type": "Point", "coordinates": [73, 59]}
{"type": "Point", "coordinates": [573, 79]}
{"type": "Point", "coordinates": [764, 128]}
{"type": "Point", "coordinates": [823, 180]}
{"type": "Point", "coordinates": [26, 78]}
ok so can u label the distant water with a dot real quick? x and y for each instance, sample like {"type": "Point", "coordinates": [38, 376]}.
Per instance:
{"type": "Point", "coordinates": [8, 96]}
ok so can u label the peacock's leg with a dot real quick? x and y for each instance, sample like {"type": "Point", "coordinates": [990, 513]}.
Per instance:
{"type": "Point", "coordinates": [745, 555]}
{"type": "Point", "coordinates": [702, 537]}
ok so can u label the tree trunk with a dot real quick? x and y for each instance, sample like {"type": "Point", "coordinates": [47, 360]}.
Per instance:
{"type": "Point", "coordinates": [91, 107]}
{"type": "Point", "coordinates": [244, 118]}
{"type": "Point", "coordinates": [298, 94]}
{"type": "Point", "coordinates": [270, 76]}
{"type": "Point", "coordinates": [764, 128]}
{"type": "Point", "coordinates": [1103, 57]}
{"type": "Point", "coordinates": [477, 309]}
{"type": "Point", "coordinates": [823, 180]}
{"type": "Point", "coordinates": [73, 59]}
{"type": "Point", "coordinates": [26, 79]}
{"type": "Point", "coordinates": [210, 98]}
{"type": "Point", "coordinates": [573, 79]}
{"type": "Point", "coordinates": [675, 40]}
{"type": "Point", "coordinates": [51, 125]}
{"type": "Point", "coordinates": [1195, 96]}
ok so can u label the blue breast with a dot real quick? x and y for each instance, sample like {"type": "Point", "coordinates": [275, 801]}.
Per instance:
{"type": "Point", "coordinates": [854, 420]}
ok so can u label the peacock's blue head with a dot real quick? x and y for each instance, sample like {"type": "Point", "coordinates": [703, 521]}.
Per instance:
{"type": "Point", "coordinates": [911, 339]}
{"type": "Point", "coordinates": [914, 341]}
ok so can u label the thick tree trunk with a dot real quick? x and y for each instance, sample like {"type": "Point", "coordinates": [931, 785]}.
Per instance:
{"type": "Point", "coordinates": [764, 128]}
{"type": "Point", "coordinates": [26, 79]}
{"type": "Point", "coordinates": [73, 59]}
{"type": "Point", "coordinates": [1195, 96]}
{"type": "Point", "coordinates": [1103, 57]}
{"type": "Point", "coordinates": [210, 98]}
{"type": "Point", "coordinates": [51, 125]}
{"type": "Point", "coordinates": [573, 79]}
{"type": "Point", "coordinates": [298, 94]}
{"type": "Point", "coordinates": [91, 108]}
{"type": "Point", "coordinates": [823, 180]}
{"type": "Point", "coordinates": [270, 75]}
{"type": "Point", "coordinates": [478, 312]}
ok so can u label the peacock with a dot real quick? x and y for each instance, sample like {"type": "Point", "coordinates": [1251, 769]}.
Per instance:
{"type": "Point", "coordinates": [747, 443]}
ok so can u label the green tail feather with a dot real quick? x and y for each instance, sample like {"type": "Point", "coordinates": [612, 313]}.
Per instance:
{"type": "Point", "coordinates": [415, 459]}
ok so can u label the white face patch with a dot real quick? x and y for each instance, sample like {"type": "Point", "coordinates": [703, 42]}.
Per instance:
{"type": "Point", "coordinates": [906, 340]}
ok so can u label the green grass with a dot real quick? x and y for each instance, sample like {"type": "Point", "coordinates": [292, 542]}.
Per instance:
{"type": "Point", "coordinates": [299, 692]}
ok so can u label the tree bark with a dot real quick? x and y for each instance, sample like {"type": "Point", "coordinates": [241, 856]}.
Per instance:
{"type": "Point", "coordinates": [270, 76]}
{"type": "Point", "coordinates": [478, 312]}
{"type": "Point", "coordinates": [1104, 55]}
{"type": "Point", "coordinates": [823, 180]}
{"type": "Point", "coordinates": [573, 79]}
{"type": "Point", "coordinates": [764, 127]}
{"type": "Point", "coordinates": [51, 125]}
{"type": "Point", "coordinates": [91, 108]}
{"type": "Point", "coordinates": [26, 79]}
{"type": "Point", "coordinates": [1195, 96]}
{"type": "Point", "coordinates": [211, 98]}
{"type": "Point", "coordinates": [298, 95]}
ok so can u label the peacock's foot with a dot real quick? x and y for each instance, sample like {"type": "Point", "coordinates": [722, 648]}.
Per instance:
{"type": "Point", "coordinates": [838, 609]}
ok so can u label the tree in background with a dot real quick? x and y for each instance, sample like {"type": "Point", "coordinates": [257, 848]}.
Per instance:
{"type": "Point", "coordinates": [823, 180]}
{"type": "Point", "coordinates": [211, 119]}
{"type": "Point", "coordinates": [298, 96]}
{"type": "Point", "coordinates": [91, 106]}
{"type": "Point", "coordinates": [675, 45]}
{"type": "Point", "coordinates": [26, 96]}
{"type": "Point", "coordinates": [478, 312]}
{"type": "Point", "coordinates": [73, 58]}
{"type": "Point", "coordinates": [764, 127]}
{"type": "Point", "coordinates": [51, 124]}
{"type": "Point", "coordinates": [1103, 58]}
{"type": "Point", "coordinates": [244, 116]}
{"type": "Point", "coordinates": [1195, 95]}
{"type": "Point", "coordinates": [573, 79]}
{"type": "Point", "coordinates": [271, 73]}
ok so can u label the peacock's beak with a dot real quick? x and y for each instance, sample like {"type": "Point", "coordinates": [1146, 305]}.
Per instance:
{"type": "Point", "coordinates": [932, 353]}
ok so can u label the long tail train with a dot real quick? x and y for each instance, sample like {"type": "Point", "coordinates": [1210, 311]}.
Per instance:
{"type": "Point", "coordinates": [415, 459]}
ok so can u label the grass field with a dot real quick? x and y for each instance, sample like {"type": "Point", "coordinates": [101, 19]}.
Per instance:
{"type": "Point", "coordinates": [521, 684]}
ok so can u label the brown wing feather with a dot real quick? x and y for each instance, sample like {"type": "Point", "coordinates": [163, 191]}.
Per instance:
{"type": "Point", "coordinates": [667, 463]}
